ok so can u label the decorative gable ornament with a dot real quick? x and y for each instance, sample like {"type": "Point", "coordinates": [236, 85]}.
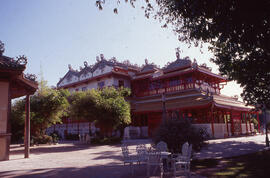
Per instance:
{"type": "Point", "coordinates": [21, 60]}
{"type": "Point", "coordinates": [101, 56]}
{"type": "Point", "coordinates": [177, 55]}
{"type": "Point", "coordinates": [2, 48]}
{"type": "Point", "coordinates": [69, 67]}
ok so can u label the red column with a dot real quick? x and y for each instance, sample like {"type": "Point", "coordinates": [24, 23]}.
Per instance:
{"type": "Point", "coordinates": [241, 122]}
{"type": "Point", "coordinates": [250, 123]}
{"type": "Point", "coordinates": [259, 129]}
{"type": "Point", "coordinates": [246, 123]}
{"type": "Point", "coordinates": [27, 128]}
{"type": "Point", "coordinates": [212, 121]}
{"type": "Point", "coordinates": [227, 124]}
{"type": "Point", "coordinates": [232, 125]}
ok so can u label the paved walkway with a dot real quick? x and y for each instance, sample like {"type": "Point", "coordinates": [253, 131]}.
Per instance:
{"type": "Point", "coordinates": [76, 160]}
{"type": "Point", "coordinates": [229, 147]}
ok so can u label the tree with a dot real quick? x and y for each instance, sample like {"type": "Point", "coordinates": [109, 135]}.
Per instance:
{"type": "Point", "coordinates": [17, 120]}
{"type": "Point", "coordinates": [238, 32]}
{"type": "Point", "coordinates": [107, 107]}
{"type": "Point", "coordinates": [47, 105]}
{"type": "Point", "coordinates": [47, 108]}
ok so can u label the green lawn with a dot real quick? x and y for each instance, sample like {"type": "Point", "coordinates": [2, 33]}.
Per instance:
{"type": "Point", "coordinates": [251, 165]}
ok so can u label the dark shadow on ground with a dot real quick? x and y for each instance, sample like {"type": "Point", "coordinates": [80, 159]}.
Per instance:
{"type": "Point", "coordinates": [109, 155]}
{"type": "Point", "coordinates": [250, 165]}
{"type": "Point", "coordinates": [108, 171]}
{"type": "Point", "coordinates": [72, 146]}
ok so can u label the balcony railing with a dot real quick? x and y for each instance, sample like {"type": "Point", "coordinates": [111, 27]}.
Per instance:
{"type": "Point", "coordinates": [181, 87]}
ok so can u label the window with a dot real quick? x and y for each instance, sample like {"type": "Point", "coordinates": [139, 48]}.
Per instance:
{"type": "Point", "coordinates": [120, 83]}
{"type": "Point", "coordinates": [84, 88]}
{"type": "Point", "coordinates": [101, 84]}
{"type": "Point", "coordinates": [174, 82]}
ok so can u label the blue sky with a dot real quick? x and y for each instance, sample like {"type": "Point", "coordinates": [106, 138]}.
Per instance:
{"type": "Point", "coordinates": [53, 34]}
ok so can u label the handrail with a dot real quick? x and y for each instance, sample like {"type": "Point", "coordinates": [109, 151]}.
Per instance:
{"type": "Point", "coordinates": [181, 87]}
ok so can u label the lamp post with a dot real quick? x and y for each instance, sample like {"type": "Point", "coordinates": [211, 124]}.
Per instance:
{"type": "Point", "coordinates": [163, 107]}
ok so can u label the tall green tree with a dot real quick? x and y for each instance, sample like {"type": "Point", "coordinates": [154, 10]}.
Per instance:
{"type": "Point", "coordinates": [48, 106]}
{"type": "Point", "coordinates": [238, 32]}
{"type": "Point", "coordinates": [107, 107]}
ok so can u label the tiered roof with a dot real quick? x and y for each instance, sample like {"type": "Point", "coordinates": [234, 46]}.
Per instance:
{"type": "Point", "coordinates": [12, 70]}
{"type": "Point", "coordinates": [101, 63]}
{"type": "Point", "coordinates": [8, 63]}
{"type": "Point", "coordinates": [148, 70]}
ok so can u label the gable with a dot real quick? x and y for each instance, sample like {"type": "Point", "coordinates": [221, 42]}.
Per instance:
{"type": "Point", "coordinates": [70, 77]}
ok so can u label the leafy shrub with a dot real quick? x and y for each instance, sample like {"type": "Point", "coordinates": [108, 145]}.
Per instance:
{"type": "Point", "coordinates": [105, 140]}
{"type": "Point", "coordinates": [55, 136]}
{"type": "Point", "coordinates": [72, 136]}
{"type": "Point", "coordinates": [176, 132]}
{"type": "Point", "coordinates": [43, 139]}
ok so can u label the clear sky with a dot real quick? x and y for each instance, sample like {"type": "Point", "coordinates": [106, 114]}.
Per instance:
{"type": "Point", "coordinates": [55, 33]}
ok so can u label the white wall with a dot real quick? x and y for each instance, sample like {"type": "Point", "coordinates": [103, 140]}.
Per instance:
{"type": "Point", "coordinates": [105, 70]}
{"type": "Point", "coordinates": [86, 76]}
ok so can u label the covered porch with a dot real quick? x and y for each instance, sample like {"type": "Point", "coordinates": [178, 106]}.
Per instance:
{"type": "Point", "coordinates": [220, 116]}
{"type": "Point", "coordinates": [13, 84]}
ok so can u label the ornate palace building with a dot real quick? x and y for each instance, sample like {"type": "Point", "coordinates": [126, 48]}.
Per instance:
{"type": "Point", "coordinates": [181, 89]}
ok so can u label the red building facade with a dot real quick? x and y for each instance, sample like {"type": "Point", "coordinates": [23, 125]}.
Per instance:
{"type": "Point", "coordinates": [183, 88]}
{"type": "Point", "coordinates": [189, 91]}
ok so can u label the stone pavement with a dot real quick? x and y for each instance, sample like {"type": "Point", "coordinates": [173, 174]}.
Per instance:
{"type": "Point", "coordinates": [77, 160]}
{"type": "Point", "coordinates": [229, 147]}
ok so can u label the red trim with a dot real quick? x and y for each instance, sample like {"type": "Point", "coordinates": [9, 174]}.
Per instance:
{"type": "Point", "coordinates": [223, 79]}
{"type": "Point", "coordinates": [146, 72]}
{"type": "Point", "coordinates": [176, 108]}
{"type": "Point", "coordinates": [168, 75]}
{"type": "Point", "coordinates": [232, 107]}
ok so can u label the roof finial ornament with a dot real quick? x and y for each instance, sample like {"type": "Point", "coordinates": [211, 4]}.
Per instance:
{"type": "Point", "coordinates": [21, 60]}
{"type": "Point", "coordinates": [195, 64]}
{"type": "Point", "coordinates": [101, 56]}
{"type": "Point", "coordinates": [85, 64]}
{"type": "Point", "coordinates": [97, 58]}
{"type": "Point", "coordinates": [2, 48]}
{"type": "Point", "coordinates": [146, 61]}
{"type": "Point", "coordinates": [69, 67]}
{"type": "Point", "coordinates": [113, 59]}
{"type": "Point", "coordinates": [177, 53]}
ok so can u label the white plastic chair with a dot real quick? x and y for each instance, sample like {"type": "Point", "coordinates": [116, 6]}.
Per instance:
{"type": "Point", "coordinates": [181, 164]}
{"type": "Point", "coordinates": [162, 146]}
{"type": "Point", "coordinates": [129, 159]}
{"type": "Point", "coordinates": [154, 159]}
{"type": "Point", "coordinates": [141, 153]}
